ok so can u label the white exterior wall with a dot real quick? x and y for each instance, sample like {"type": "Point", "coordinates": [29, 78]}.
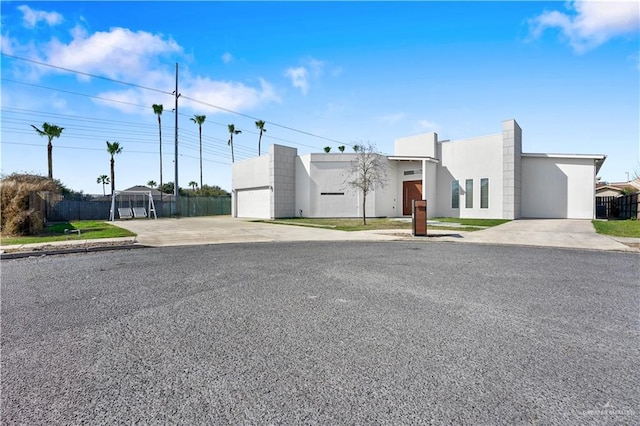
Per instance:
{"type": "Point", "coordinates": [303, 185]}
{"type": "Point", "coordinates": [558, 187]}
{"type": "Point", "coordinates": [327, 173]}
{"type": "Point", "coordinates": [386, 203]}
{"type": "Point", "coordinates": [475, 159]}
{"type": "Point", "coordinates": [423, 145]}
{"type": "Point", "coordinates": [250, 180]}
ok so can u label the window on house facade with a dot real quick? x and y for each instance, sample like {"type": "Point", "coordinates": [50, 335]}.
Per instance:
{"type": "Point", "coordinates": [455, 194]}
{"type": "Point", "coordinates": [468, 193]}
{"type": "Point", "coordinates": [484, 193]}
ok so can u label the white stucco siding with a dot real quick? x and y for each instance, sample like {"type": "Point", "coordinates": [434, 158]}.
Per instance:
{"type": "Point", "coordinates": [303, 185]}
{"type": "Point", "coordinates": [558, 187]}
{"type": "Point", "coordinates": [386, 204]}
{"type": "Point", "coordinates": [330, 196]}
{"type": "Point", "coordinates": [423, 145]}
{"type": "Point", "coordinates": [473, 159]}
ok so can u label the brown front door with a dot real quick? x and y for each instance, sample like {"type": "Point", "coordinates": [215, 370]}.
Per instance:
{"type": "Point", "coordinates": [411, 190]}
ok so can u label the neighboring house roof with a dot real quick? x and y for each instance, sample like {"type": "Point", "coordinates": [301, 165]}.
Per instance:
{"type": "Point", "coordinates": [620, 186]}
{"type": "Point", "coordinates": [143, 188]}
{"type": "Point", "coordinates": [607, 189]}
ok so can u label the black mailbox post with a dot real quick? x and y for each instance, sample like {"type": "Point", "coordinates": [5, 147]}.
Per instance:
{"type": "Point", "coordinates": [419, 215]}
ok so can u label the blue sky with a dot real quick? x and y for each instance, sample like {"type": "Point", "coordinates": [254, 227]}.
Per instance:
{"type": "Point", "coordinates": [319, 73]}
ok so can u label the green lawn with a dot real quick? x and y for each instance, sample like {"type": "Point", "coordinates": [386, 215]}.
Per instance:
{"type": "Point", "coordinates": [618, 228]}
{"type": "Point", "coordinates": [90, 229]}
{"type": "Point", "coordinates": [373, 224]}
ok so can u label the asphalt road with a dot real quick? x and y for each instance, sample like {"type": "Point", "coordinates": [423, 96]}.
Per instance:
{"type": "Point", "coordinates": [322, 333]}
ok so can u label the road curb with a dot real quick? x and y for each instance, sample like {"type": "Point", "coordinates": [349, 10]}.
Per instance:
{"type": "Point", "coordinates": [39, 253]}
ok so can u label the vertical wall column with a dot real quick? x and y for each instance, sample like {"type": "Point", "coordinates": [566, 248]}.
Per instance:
{"type": "Point", "coordinates": [511, 169]}
{"type": "Point", "coordinates": [282, 175]}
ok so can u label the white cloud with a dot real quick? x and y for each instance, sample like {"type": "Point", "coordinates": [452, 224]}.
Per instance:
{"type": "Point", "coordinates": [426, 125]}
{"type": "Point", "coordinates": [117, 53]}
{"type": "Point", "coordinates": [227, 57]}
{"type": "Point", "coordinates": [31, 17]}
{"type": "Point", "coordinates": [311, 71]}
{"type": "Point", "coordinates": [590, 23]}
{"type": "Point", "coordinates": [231, 95]}
{"type": "Point", "coordinates": [137, 57]}
{"type": "Point", "coordinates": [392, 119]}
{"type": "Point", "coordinates": [299, 78]}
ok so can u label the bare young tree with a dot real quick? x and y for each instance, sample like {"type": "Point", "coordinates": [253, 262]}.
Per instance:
{"type": "Point", "coordinates": [366, 172]}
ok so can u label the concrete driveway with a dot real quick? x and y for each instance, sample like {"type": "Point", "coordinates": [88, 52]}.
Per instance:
{"type": "Point", "coordinates": [225, 229]}
{"type": "Point", "coordinates": [567, 233]}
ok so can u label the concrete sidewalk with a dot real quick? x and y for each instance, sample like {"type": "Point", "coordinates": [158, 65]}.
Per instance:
{"type": "Point", "coordinates": [565, 233]}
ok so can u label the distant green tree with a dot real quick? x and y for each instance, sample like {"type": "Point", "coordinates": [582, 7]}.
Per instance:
{"type": "Point", "coordinates": [341, 148]}
{"type": "Point", "coordinates": [193, 184]}
{"type": "Point", "coordinates": [152, 184]}
{"type": "Point", "coordinates": [113, 148]}
{"type": "Point", "coordinates": [50, 131]}
{"type": "Point", "coordinates": [327, 149]}
{"type": "Point", "coordinates": [104, 180]}
{"type": "Point", "coordinates": [260, 125]}
{"type": "Point", "coordinates": [167, 188]}
{"type": "Point", "coordinates": [232, 131]}
{"type": "Point", "coordinates": [213, 191]}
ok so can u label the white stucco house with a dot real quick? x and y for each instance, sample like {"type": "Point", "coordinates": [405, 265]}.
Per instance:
{"type": "Point", "coordinates": [481, 177]}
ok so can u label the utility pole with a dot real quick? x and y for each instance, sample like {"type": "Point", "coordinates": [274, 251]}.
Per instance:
{"type": "Point", "coordinates": [175, 180]}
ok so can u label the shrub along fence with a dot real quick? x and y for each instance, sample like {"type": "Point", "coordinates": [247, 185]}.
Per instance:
{"type": "Point", "coordinates": [622, 207]}
{"type": "Point", "coordinates": [56, 209]}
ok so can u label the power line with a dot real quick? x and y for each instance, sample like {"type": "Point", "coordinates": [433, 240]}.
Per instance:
{"type": "Point", "coordinates": [104, 150]}
{"type": "Point", "coordinates": [86, 74]}
{"type": "Point", "coordinates": [168, 93]}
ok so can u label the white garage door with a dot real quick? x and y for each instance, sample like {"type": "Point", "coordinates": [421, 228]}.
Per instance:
{"type": "Point", "coordinates": [254, 203]}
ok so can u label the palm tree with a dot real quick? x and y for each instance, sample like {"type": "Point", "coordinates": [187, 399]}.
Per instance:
{"type": "Point", "coordinates": [199, 119]}
{"type": "Point", "coordinates": [152, 184]}
{"type": "Point", "coordinates": [260, 125]}
{"type": "Point", "coordinates": [113, 148]}
{"type": "Point", "coordinates": [104, 180]}
{"type": "Point", "coordinates": [193, 184]}
{"type": "Point", "coordinates": [232, 131]}
{"type": "Point", "coordinates": [50, 131]}
{"type": "Point", "coordinates": [157, 110]}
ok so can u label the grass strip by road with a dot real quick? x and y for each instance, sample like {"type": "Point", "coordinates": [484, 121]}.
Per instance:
{"type": "Point", "coordinates": [385, 223]}
{"type": "Point", "coordinates": [89, 230]}
{"type": "Point", "coordinates": [618, 228]}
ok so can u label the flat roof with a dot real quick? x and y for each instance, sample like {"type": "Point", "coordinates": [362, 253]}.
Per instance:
{"type": "Point", "coordinates": [412, 158]}
{"type": "Point", "coordinates": [598, 158]}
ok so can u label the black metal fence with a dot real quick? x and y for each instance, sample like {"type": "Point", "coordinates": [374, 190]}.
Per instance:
{"type": "Point", "coordinates": [622, 207]}
{"type": "Point", "coordinates": [56, 209]}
